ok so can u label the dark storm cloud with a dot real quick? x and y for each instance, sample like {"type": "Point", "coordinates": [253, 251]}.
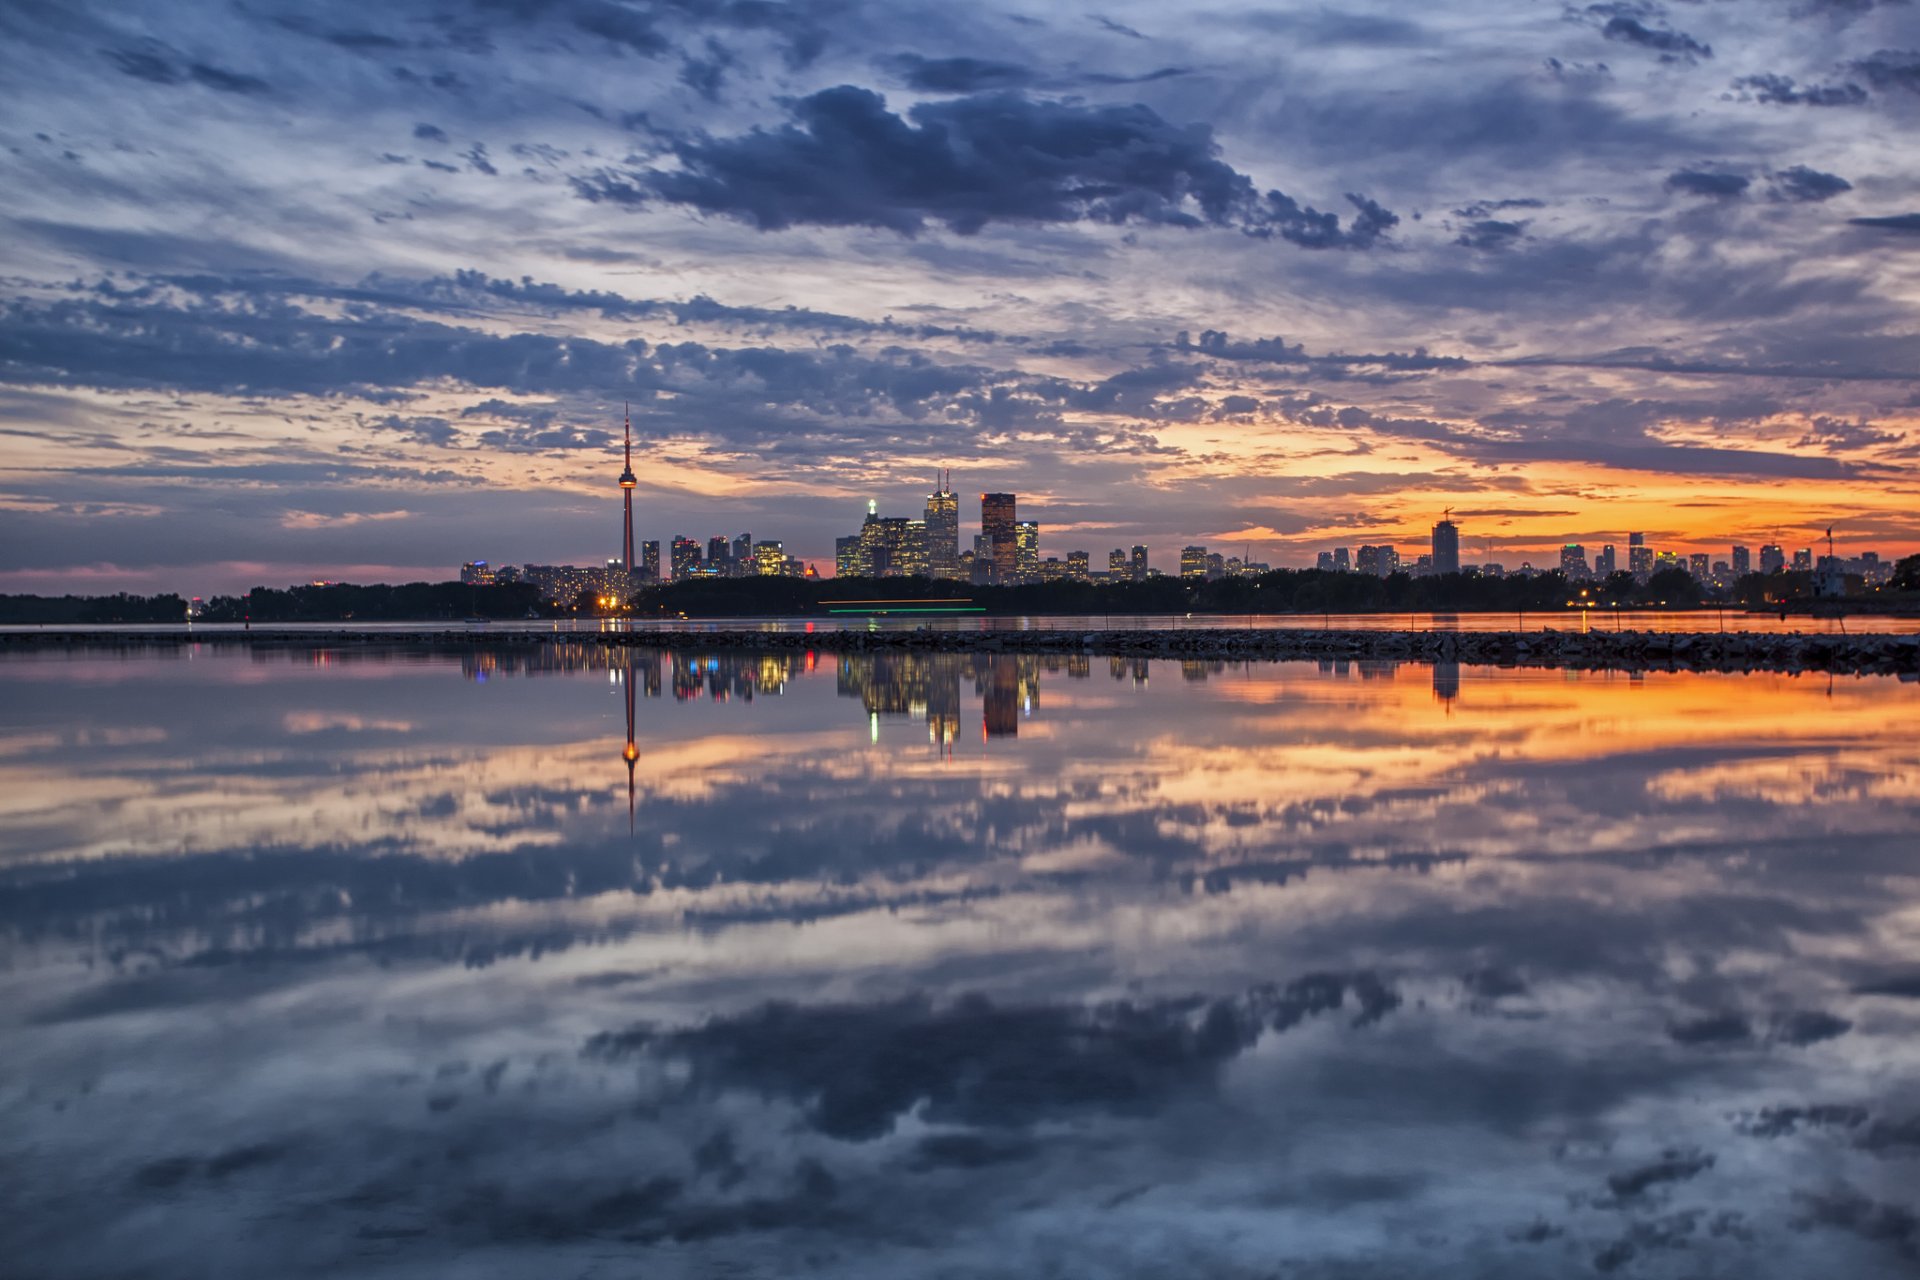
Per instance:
{"type": "Point", "coordinates": [1490, 234]}
{"type": "Point", "coordinates": [1673, 1166]}
{"type": "Point", "coordinates": [1802, 184]}
{"type": "Point", "coordinates": [963, 75]}
{"type": "Point", "coordinates": [858, 1068]}
{"type": "Point", "coordinates": [266, 346]}
{"type": "Point", "coordinates": [1638, 24]}
{"type": "Point", "coordinates": [706, 75]}
{"type": "Point", "coordinates": [1909, 222]}
{"type": "Point", "coordinates": [1779, 1122]}
{"type": "Point", "coordinates": [1628, 445]}
{"type": "Point", "coordinates": [1843, 1208]}
{"type": "Point", "coordinates": [1891, 69]}
{"type": "Point", "coordinates": [846, 160]}
{"type": "Point", "coordinates": [1707, 182]}
{"type": "Point", "coordinates": [1713, 1029]}
{"type": "Point", "coordinates": [1783, 91]}
{"type": "Point", "coordinates": [649, 28]}
{"type": "Point", "coordinates": [160, 65]}
{"type": "Point", "coordinates": [1217, 344]}
{"type": "Point", "coordinates": [959, 75]}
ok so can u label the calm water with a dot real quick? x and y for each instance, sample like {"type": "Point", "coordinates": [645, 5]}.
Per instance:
{"type": "Point", "coordinates": [382, 966]}
{"type": "Point", "coordinates": [1668, 620]}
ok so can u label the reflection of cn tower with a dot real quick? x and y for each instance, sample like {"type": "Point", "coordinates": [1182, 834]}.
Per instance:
{"type": "Point", "coordinates": [632, 753]}
{"type": "Point", "coordinates": [627, 483]}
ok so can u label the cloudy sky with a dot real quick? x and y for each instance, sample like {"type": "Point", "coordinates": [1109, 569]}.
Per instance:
{"type": "Point", "coordinates": [358, 290]}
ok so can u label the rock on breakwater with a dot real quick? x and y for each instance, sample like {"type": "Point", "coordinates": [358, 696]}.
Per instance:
{"type": "Point", "coordinates": [1590, 651]}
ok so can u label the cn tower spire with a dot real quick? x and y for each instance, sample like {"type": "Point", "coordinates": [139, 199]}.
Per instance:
{"type": "Point", "coordinates": [627, 483]}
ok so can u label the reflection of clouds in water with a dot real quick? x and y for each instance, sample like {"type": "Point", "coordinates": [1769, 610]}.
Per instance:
{"type": "Point", "coordinates": [1619, 983]}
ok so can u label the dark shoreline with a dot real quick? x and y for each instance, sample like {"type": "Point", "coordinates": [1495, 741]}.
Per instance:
{"type": "Point", "coordinates": [1589, 651]}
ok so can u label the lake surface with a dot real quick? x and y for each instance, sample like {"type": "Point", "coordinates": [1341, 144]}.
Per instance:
{"type": "Point", "coordinates": [1665, 620]}
{"type": "Point", "coordinates": [611, 964]}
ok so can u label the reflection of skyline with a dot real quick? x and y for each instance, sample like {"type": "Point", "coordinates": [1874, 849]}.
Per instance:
{"type": "Point", "coordinates": [1525, 945]}
{"type": "Point", "coordinates": [926, 686]}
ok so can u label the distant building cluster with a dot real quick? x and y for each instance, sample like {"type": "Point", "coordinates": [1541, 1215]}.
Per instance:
{"type": "Point", "coordinates": [1006, 552]}
{"type": "Point", "coordinates": [1642, 561]}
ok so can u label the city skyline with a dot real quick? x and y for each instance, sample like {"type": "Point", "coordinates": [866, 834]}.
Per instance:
{"type": "Point", "coordinates": [292, 298]}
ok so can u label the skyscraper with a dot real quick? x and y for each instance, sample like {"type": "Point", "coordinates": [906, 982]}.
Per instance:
{"type": "Point", "coordinates": [1117, 565]}
{"type": "Point", "coordinates": [720, 556]}
{"type": "Point", "coordinates": [650, 559]}
{"type": "Point", "coordinates": [943, 531]}
{"type": "Point", "coordinates": [1742, 562]}
{"type": "Point", "coordinates": [627, 483]}
{"type": "Point", "coordinates": [1193, 562]}
{"type": "Point", "coordinates": [1573, 561]}
{"type": "Point", "coordinates": [1603, 564]}
{"type": "Point", "coordinates": [1446, 546]}
{"type": "Point", "coordinates": [1026, 550]}
{"type": "Point", "coordinates": [1772, 559]}
{"type": "Point", "coordinates": [1138, 563]}
{"type": "Point", "coordinates": [1639, 556]}
{"type": "Point", "coordinates": [996, 525]}
{"type": "Point", "coordinates": [686, 557]}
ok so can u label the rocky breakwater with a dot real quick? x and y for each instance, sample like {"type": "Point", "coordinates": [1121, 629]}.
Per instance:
{"type": "Point", "coordinates": [1594, 651]}
{"type": "Point", "coordinates": [1612, 650]}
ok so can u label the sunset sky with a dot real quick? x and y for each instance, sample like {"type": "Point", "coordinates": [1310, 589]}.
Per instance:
{"type": "Point", "coordinates": [357, 290]}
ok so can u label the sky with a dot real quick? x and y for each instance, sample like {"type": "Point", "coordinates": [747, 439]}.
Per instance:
{"type": "Point", "coordinates": [358, 291]}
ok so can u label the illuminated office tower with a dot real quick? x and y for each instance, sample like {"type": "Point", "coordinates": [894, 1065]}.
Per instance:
{"type": "Point", "coordinates": [1117, 565]}
{"type": "Point", "coordinates": [1026, 550]}
{"type": "Point", "coordinates": [743, 554]}
{"type": "Point", "coordinates": [1138, 563]}
{"type": "Point", "coordinates": [1446, 547]}
{"type": "Point", "coordinates": [1742, 562]}
{"type": "Point", "coordinates": [909, 549]}
{"type": "Point", "coordinates": [685, 555]}
{"type": "Point", "coordinates": [1772, 559]}
{"type": "Point", "coordinates": [769, 558]}
{"type": "Point", "coordinates": [650, 559]}
{"type": "Point", "coordinates": [846, 557]}
{"type": "Point", "coordinates": [720, 556]}
{"type": "Point", "coordinates": [1639, 557]}
{"type": "Point", "coordinates": [1803, 560]}
{"type": "Point", "coordinates": [1079, 566]}
{"type": "Point", "coordinates": [1342, 562]}
{"type": "Point", "coordinates": [943, 531]}
{"type": "Point", "coordinates": [1573, 561]}
{"type": "Point", "coordinates": [1603, 564]}
{"type": "Point", "coordinates": [476, 573]}
{"type": "Point", "coordinates": [1193, 562]}
{"type": "Point", "coordinates": [1699, 565]}
{"type": "Point", "coordinates": [997, 519]}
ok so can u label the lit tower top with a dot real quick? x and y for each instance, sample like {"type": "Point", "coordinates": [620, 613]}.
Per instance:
{"type": "Point", "coordinates": [627, 480]}
{"type": "Point", "coordinates": [627, 483]}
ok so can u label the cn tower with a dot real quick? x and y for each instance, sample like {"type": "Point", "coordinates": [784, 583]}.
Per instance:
{"type": "Point", "coordinates": [627, 483]}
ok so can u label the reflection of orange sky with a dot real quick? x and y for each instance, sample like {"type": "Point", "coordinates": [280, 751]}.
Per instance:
{"type": "Point", "coordinates": [1253, 758]}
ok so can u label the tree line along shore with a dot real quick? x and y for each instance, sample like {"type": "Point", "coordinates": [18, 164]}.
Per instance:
{"type": "Point", "coordinates": [1301, 591]}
